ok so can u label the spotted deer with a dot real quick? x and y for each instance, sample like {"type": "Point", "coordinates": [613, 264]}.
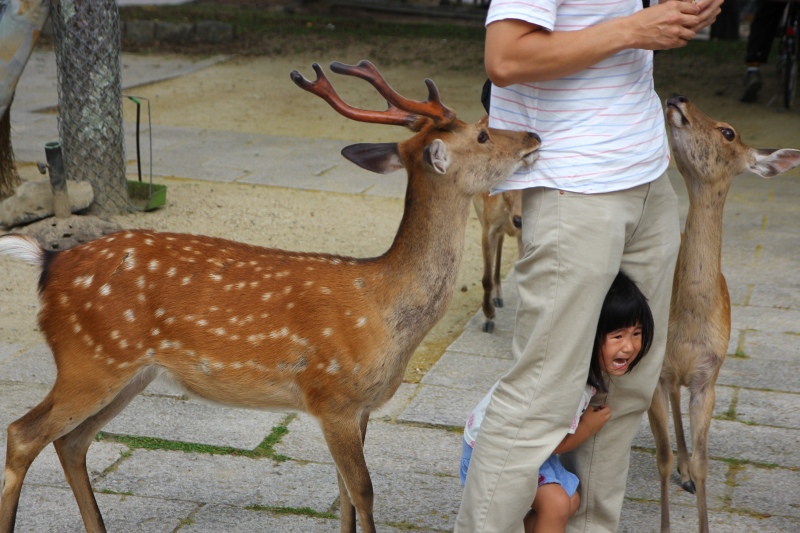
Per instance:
{"type": "Point", "coordinates": [262, 328]}
{"type": "Point", "coordinates": [708, 155]}
{"type": "Point", "coordinates": [499, 215]}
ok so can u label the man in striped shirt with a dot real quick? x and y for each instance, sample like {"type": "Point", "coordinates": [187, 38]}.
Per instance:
{"type": "Point", "coordinates": [580, 74]}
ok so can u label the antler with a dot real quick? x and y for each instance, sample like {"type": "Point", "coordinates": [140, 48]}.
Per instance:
{"type": "Point", "coordinates": [401, 111]}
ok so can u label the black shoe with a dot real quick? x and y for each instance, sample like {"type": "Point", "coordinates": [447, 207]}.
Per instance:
{"type": "Point", "coordinates": [752, 84]}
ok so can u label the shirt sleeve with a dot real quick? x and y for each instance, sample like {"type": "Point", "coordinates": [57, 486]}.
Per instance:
{"type": "Point", "coordinates": [588, 392]}
{"type": "Point", "coordinates": [539, 12]}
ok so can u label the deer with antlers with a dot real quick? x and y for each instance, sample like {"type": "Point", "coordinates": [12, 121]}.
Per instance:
{"type": "Point", "coordinates": [708, 155]}
{"type": "Point", "coordinates": [257, 327]}
{"type": "Point", "coordinates": [499, 215]}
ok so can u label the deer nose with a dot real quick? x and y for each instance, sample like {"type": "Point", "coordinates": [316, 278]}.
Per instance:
{"type": "Point", "coordinates": [517, 221]}
{"type": "Point", "coordinates": [531, 134]}
{"type": "Point", "coordinates": [676, 99]}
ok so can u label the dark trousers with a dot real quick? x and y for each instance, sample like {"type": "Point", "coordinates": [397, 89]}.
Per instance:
{"type": "Point", "coordinates": [763, 30]}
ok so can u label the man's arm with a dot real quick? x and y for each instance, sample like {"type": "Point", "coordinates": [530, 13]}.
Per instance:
{"type": "Point", "coordinates": [518, 52]}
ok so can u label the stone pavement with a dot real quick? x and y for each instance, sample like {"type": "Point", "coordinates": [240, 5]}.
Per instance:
{"type": "Point", "coordinates": [175, 464]}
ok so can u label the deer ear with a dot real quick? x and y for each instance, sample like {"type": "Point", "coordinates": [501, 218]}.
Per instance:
{"type": "Point", "coordinates": [771, 162]}
{"type": "Point", "coordinates": [376, 157]}
{"type": "Point", "coordinates": [437, 156]}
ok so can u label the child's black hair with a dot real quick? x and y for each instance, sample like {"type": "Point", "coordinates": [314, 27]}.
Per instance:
{"type": "Point", "coordinates": [623, 307]}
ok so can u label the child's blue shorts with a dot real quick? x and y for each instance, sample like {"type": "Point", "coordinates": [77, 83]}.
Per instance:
{"type": "Point", "coordinates": [552, 471]}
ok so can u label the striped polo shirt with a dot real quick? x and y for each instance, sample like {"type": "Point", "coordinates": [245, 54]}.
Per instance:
{"type": "Point", "coordinates": [602, 129]}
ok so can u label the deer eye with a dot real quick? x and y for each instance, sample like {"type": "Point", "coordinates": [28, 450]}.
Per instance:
{"type": "Point", "coordinates": [483, 137]}
{"type": "Point", "coordinates": [728, 133]}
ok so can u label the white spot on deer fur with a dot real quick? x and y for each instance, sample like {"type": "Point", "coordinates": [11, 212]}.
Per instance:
{"type": "Point", "coordinates": [236, 366]}
{"type": "Point", "coordinates": [359, 283]}
{"type": "Point", "coordinates": [123, 365]}
{"type": "Point", "coordinates": [87, 305]}
{"type": "Point", "coordinates": [160, 312]}
{"type": "Point", "coordinates": [213, 308]}
{"type": "Point", "coordinates": [83, 281]}
{"type": "Point", "coordinates": [290, 305]}
{"type": "Point", "coordinates": [327, 332]}
{"type": "Point", "coordinates": [76, 328]}
{"type": "Point", "coordinates": [110, 361]}
{"type": "Point", "coordinates": [361, 322]}
{"type": "Point", "coordinates": [150, 353]}
{"type": "Point", "coordinates": [215, 277]}
{"type": "Point", "coordinates": [333, 367]}
{"type": "Point", "coordinates": [148, 242]}
{"type": "Point", "coordinates": [186, 280]}
{"type": "Point", "coordinates": [88, 340]}
{"type": "Point", "coordinates": [266, 296]}
{"type": "Point", "coordinates": [155, 331]}
{"type": "Point", "coordinates": [171, 272]}
{"type": "Point", "coordinates": [105, 290]}
{"type": "Point", "coordinates": [241, 285]}
{"type": "Point", "coordinates": [218, 331]}
{"type": "Point", "coordinates": [114, 334]}
{"type": "Point", "coordinates": [202, 322]}
{"type": "Point", "coordinates": [228, 287]}
{"type": "Point", "coordinates": [256, 339]}
{"type": "Point", "coordinates": [129, 316]}
{"type": "Point", "coordinates": [233, 319]}
{"type": "Point", "coordinates": [324, 290]}
{"type": "Point", "coordinates": [217, 366]}
{"type": "Point", "coordinates": [235, 337]}
{"type": "Point", "coordinates": [152, 266]}
{"type": "Point", "coordinates": [141, 297]}
{"type": "Point", "coordinates": [140, 282]}
{"type": "Point", "coordinates": [64, 299]}
{"type": "Point", "coordinates": [123, 344]}
{"type": "Point", "coordinates": [128, 235]}
{"type": "Point", "coordinates": [169, 320]}
{"type": "Point", "coordinates": [310, 268]}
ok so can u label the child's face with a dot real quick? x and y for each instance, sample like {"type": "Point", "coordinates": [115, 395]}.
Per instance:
{"type": "Point", "coordinates": [620, 348]}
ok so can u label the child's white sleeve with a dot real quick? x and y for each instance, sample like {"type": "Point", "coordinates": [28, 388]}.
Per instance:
{"type": "Point", "coordinates": [588, 392]}
{"type": "Point", "coordinates": [476, 418]}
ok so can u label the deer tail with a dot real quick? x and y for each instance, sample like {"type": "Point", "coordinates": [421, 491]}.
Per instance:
{"type": "Point", "coordinates": [24, 248]}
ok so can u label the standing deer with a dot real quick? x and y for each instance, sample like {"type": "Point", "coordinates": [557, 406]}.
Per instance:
{"type": "Point", "coordinates": [708, 155]}
{"type": "Point", "coordinates": [256, 327]}
{"type": "Point", "coordinates": [499, 215]}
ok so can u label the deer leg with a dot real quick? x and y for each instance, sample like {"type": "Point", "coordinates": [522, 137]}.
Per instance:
{"type": "Point", "coordinates": [345, 442]}
{"type": "Point", "coordinates": [64, 408]}
{"type": "Point", "coordinates": [498, 263]}
{"type": "Point", "coordinates": [488, 255]}
{"type": "Point", "coordinates": [680, 440]}
{"type": "Point", "coordinates": [658, 414]}
{"type": "Point", "coordinates": [73, 446]}
{"type": "Point", "coordinates": [346, 508]}
{"type": "Point", "coordinates": [700, 411]}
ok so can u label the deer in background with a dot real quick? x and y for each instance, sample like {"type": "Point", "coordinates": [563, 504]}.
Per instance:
{"type": "Point", "coordinates": [499, 215]}
{"type": "Point", "coordinates": [708, 155]}
{"type": "Point", "coordinates": [262, 328]}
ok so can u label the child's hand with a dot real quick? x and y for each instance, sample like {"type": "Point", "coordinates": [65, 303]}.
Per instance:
{"type": "Point", "coordinates": [596, 417]}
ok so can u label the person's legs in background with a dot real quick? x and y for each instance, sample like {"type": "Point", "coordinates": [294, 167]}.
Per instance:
{"type": "Point", "coordinates": [763, 31]}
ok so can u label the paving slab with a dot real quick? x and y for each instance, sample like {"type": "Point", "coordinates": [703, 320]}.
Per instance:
{"type": "Point", "coordinates": [226, 479]}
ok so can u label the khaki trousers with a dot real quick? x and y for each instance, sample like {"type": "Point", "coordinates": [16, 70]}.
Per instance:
{"type": "Point", "coordinates": [574, 246]}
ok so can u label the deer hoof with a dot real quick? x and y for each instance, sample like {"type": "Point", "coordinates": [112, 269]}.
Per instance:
{"type": "Point", "coordinates": [488, 327]}
{"type": "Point", "coordinates": [498, 302]}
{"type": "Point", "coordinates": [688, 486]}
